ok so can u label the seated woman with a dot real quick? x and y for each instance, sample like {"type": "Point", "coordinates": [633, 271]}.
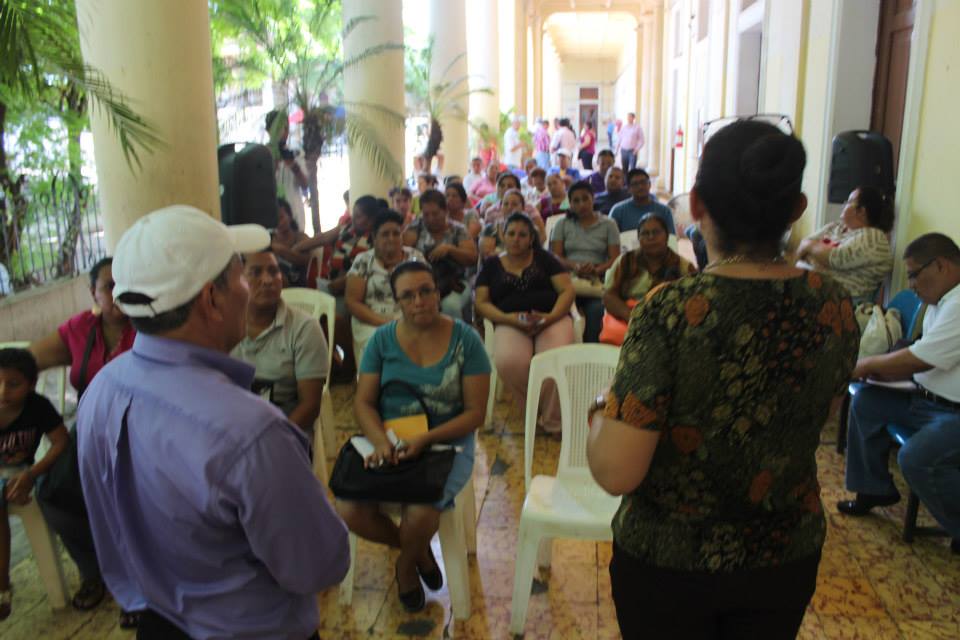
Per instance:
{"type": "Point", "coordinates": [284, 344]}
{"type": "Point", "coordinates": [444, 361]}
{"type": "Point", "coordinates": [636, 272]}
{"type": "Point", "coordinates": [855, 249]}
{"type": "Point", "coordinates": [505, 181]}
{"type": "Point", "coordinates": [527, 294]}
{"type": "Point", "coordinates": [712, 422]}
{"type": "Point", "coordinates": [487, 184]}
{"type": "Point", "coordinates": [401, 199]}
{"type": "Point", "coordinates": [293, 264]}
{"type": "Point", "coordinates": [368, 295]}
{"type": "Point", "coordinates": [449, 248]}
{"type": "Point", "coordinates": [491, 238]}
{"type": "Point", "coordinates": [457, 211]}
{"type": "Point", "coordinates": [586, 243]}
{"type": "Point", "coordinates": [555, 202]}
{"type": "Point", "coordinates": [85, 343]}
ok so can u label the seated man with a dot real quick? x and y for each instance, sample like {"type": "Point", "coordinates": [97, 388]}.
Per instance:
{"type": "Point", "coordinates": [563, 169]}
{"type": "Point", "coordinates": [285, 345]}
{"type": "Point", "coordinates": [597, 179]}
{"type": "Point", "coordinates": [627, 214]}
{"type": "Point", "coordinates": [930, 460]}
{"type": "Point", "coordinates": [615, 193]}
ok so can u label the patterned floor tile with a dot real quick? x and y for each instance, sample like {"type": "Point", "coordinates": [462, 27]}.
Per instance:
{"type": "Point", "coordinates": [847, 627]}
{"type": "Point", "coordinates": [846, 596]}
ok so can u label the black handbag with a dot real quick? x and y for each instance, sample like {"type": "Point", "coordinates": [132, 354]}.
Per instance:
{"type": "Point", "coordinates": [418, 481]}
{"type": "Point", "coordinates": [61, 485]}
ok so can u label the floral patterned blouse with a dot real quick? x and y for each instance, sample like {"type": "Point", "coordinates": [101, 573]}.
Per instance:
{"type": "Point", "coordinates": [737, 376]}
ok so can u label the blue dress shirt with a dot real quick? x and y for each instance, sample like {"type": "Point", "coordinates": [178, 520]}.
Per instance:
{"type": "Point", "coordinates": [201, 498]}
{"type": "Point", "coordinates": [627, 214]}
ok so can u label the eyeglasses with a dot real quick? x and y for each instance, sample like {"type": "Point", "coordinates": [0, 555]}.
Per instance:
{"type": "Point", "coordinates": [410, 296]}
{"type": "Point", "coordinates": [655, 233]}
{"type": "Point", "coordinates": [912, 275]}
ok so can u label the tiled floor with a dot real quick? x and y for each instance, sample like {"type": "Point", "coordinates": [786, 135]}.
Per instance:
{"type": "Point", "coordinates": [871, 584]}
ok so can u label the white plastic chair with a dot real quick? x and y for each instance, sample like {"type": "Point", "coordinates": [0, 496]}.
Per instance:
{"type": "Point", "coordinates": [458, 537]}
{"type": "Point", "coordinates": [319, 305]}
{"type": "Point", "coordinates": [551, 222]}
{"type": "Point", "coordinates": [44, 551]}
{"type": "Point", "coordinates": [496, 387]}
{"type": "Point", "coordinates": [570, 504]}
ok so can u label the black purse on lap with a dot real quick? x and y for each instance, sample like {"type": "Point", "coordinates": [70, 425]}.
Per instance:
{"type": "Point", "coordinates": [419, 481]}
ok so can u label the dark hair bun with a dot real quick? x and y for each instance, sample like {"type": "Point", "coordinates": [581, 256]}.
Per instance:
{"type": "Point", "coordinates": [750, 179]}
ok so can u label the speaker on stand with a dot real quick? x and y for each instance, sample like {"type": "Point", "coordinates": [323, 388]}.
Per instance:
{"type": "Point", "coordinates": [248, 185]}
{"type": "Point", "coordinates": [860, 158]}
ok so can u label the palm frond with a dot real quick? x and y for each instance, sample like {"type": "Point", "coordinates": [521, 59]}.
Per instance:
{"type": "Point", "coordinates": [369, 52]}
{"type": "Point", "coordinates": [365, 141]}
{"type": "Point", "coordinates": [355, 22]}
{"type": "Point", "coordinates": [390, 117]}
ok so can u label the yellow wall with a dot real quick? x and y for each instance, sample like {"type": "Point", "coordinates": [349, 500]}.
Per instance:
{"type": "Point", "coordinates": [936, 196]}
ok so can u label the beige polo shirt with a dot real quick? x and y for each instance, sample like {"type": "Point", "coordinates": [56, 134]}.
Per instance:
{"type": "Point", "coordinates": [291, 349]}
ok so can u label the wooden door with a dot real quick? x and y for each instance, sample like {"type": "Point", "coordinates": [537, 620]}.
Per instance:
{"type": "Point", "coordinates": [893, 61]}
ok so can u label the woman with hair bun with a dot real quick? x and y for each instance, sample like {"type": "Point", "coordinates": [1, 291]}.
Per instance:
{"type": "Point", "coordinates": [855, 249]}
{"type": "Point", "coordinates": [711, 423]}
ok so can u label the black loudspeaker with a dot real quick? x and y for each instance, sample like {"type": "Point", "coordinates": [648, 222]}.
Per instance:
{"type": "Point", "coordinates": [860, 158]}
{"type": "Point", "coordinates": [248, 185]}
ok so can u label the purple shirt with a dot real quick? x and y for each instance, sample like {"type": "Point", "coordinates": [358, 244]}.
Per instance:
{"type": "Point", "coordinates": [541, 139]}
{"type": "Point", "coordinates": [596, 182]}
{"type": "Point", "coordinates": [201, 498]}
{"type": "Point", "coordinates": [631, 137]}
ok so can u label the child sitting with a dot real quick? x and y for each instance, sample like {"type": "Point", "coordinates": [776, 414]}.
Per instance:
{"type": "Point", "coordinates": [24, 417]}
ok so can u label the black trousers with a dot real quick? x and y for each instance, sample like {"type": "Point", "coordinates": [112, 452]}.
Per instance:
{"type": "Point", "coordinates": [764, 603]}
{"type": "Point", "coordinates": [153, 626]}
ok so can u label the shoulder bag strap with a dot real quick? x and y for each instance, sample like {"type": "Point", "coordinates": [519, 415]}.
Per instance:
{"type": "Point", "coordinates": [409, 388]}
{"type": "Point", "coordinates": [87, 350]}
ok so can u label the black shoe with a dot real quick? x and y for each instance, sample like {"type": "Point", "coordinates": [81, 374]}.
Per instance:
{"type": "Point", "coordinates": [865, 502]}
{"type": "Point", "coordinates": [433, 579]}
{"type": "Point", "coordinates": [413, 600]}
{"type": "Point", "coordinates": [89, 595]}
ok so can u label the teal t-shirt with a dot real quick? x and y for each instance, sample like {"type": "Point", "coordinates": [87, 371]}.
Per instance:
{"type": "Point", "coordinates": [440, 385]}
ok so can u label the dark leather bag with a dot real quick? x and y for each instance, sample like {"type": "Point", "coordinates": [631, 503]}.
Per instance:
{"type": "Point", "coordinates": [418, 481]}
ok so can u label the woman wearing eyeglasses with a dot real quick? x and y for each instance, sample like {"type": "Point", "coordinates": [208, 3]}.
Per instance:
{"type": "Point", "coordinates": [636, 272]}
{"type": "Point", "coordinates": [443, 361]}
{"type": "Point", "coordinates": [855, 249]}
{"type": "Point", "coordinates": [368, 296]}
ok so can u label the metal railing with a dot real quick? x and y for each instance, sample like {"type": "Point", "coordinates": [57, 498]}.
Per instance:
{"type": "Point", "coordinates": [56, 232]}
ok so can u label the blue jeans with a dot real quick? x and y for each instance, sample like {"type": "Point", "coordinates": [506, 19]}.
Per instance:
{"type": "Point", "coordinates": [543, 159]}
{"type": "Point", "coordinates": [592, 309]}
{"type": "Point", "coordinates": [930, 461]}
{"type": "Point", "coordinates": [629, 159]}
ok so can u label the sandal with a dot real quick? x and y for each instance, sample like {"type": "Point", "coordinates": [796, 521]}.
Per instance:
{"type": "Point", "coordinates": [413, 600]}
{"type": "Point", "coordinates": [89, 595]}
{"type": "Point", "coordinates": [433, 578]}
{"type": "Point", "coordinates": [129, 619]}
{"type": "Point", "coordinates": [6, 597]}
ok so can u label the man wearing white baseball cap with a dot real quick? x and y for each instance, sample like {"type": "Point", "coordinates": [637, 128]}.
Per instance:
{"type": "Point", "coordinates": [203, 505]}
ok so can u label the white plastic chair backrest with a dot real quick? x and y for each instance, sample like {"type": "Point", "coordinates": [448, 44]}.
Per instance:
{"type": "Point", "coordinates": [488, 338]}
{"type": "Point", "coordinates": [316, 256]}
{"type": "Point", "coordinates": [581, 371]}
{"type": "Point", "coordinates": [551, 223]}
{"type": "Point", "coordinates": [319, 305]}
{"type": "Point", "coordinates": [629, 240]}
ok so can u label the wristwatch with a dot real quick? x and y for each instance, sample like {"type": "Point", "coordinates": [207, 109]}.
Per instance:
{"type": "Point", "coordinates": [599, 404]}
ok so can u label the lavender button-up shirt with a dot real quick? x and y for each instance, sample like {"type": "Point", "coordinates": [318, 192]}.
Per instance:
{"type": "Point", "coordinates": [201, 498]}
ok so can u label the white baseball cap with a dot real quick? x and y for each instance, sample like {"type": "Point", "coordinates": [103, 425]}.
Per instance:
{"type": "Point", "coordinates": [169, 254]}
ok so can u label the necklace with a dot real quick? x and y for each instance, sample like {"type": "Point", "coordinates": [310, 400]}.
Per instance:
{"type": "Point", "coordinates": [741, 258]}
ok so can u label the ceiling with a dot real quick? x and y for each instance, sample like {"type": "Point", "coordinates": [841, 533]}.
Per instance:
{"type": "Point", "coordinates": [590, 34]}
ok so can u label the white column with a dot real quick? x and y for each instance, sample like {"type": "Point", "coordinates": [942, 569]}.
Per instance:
{"type": "Point", "coordinates": [448, 24]}
{"type": "Point", "coordinates": [483, 62]}
{"type": "Point", "coordinates": [659, 144]}
{"type": "Point", "coordinates": [157, 55]}
{"type": "Point", "coordinates": [377, 80]}
{"type": "Point", "coordinates": [538, 67]}
{"type": "Point", "coordinates": [520, 58]}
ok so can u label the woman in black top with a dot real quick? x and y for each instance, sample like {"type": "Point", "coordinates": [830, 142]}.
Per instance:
{"type": "Point", "coordinates": [527, 294]}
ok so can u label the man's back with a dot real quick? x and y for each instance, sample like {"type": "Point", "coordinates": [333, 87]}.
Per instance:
{"type": "Point", "coordinates": [201, 498]}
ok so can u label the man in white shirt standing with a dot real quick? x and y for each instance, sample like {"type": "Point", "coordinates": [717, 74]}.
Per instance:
{"type": "Point", "coordinates": [291, 175]}
{"type": "Point", "coordinates": [513, 146]}
{"type": "Point", "coordinates": [630, 142]}
{"type": "Point", "coordinates": [930, 460]}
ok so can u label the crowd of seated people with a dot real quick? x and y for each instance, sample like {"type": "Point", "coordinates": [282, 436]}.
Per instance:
{"type": "Point", "coordinates": [410, 278]}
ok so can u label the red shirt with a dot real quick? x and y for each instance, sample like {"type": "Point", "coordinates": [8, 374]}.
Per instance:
{"type": "Point", "coordinates": [74, 334]}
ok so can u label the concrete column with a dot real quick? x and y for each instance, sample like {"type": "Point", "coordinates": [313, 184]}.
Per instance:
{"type": "Point", "coordinates": [538, 67]}
{"type": "Point", "coordinates": [157, 55]}
{"type": "Point", "coordinates": [377, 80]}
{"type": "Point", "coordinates": [448, 24]}
{"type": "Point", "coordinates": [483, 61]}
{"type": "Point", "coordinates": [659, 145]}
{"type": "Point", "coordinates": [520, 58]}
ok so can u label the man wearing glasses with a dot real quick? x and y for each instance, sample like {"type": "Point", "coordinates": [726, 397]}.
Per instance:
{"type": "Point", "coordinates": [930, 460]}
{"type": "Point", "coordinates": [627, 214]}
